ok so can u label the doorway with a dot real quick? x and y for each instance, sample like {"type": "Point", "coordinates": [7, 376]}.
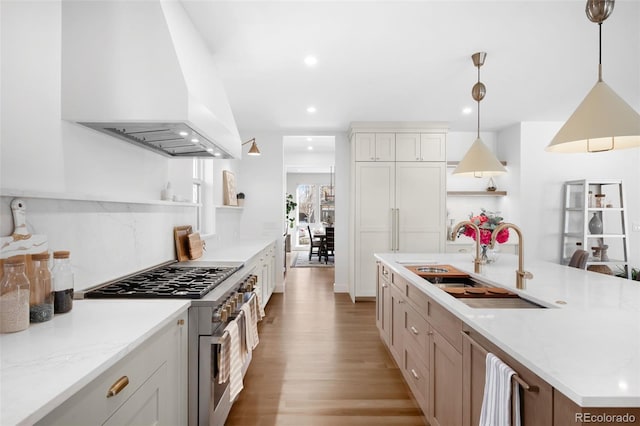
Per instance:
{"type": "Point", "coordinates": [310, 179]}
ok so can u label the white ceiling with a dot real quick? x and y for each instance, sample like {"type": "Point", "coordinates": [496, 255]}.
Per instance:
{"type": "Point", "coordinates": [410, 60]}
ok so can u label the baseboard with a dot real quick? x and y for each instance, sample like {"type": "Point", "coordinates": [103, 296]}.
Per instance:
{"type": "Point", "coordinates": [366, 299]}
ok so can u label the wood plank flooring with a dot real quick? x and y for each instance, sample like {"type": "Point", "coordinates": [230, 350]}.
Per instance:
{"type": "Point", "coordinates": [320, 361]}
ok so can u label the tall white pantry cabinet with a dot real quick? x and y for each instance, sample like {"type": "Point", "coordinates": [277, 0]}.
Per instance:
{"type": "Point", "coordinates": [399, 193]}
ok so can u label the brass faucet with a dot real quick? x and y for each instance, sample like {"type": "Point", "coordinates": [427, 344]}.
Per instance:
{"type": "Point", "coordinates": [477, 262]}
{"type": "Point", "coordinates": [521, 274]}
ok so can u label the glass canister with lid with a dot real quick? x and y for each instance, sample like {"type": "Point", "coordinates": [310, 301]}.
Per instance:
{"type": "Point", "coordinates": [14, 296]}
{"type": "Point", "coordinates": [41, 292]}
{"type": "Point", "coordinates": [62, 282]}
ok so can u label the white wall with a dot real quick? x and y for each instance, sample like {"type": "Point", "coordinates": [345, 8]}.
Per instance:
{"type": "Point", "coordinates": [264, 181]}
{"type": "Point", "coordinates": [40, 152]}
{"type": "Point", "coordinates": [542, 175]}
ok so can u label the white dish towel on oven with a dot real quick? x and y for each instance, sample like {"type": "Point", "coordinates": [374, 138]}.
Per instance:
{"type": "Point", "coordinates": [224, 360]}
{"type": "Point", "coordinates": [235, 380]}
{"type": "Point", "coordinates": [250, 327]}
{"type": "Point", "coordinates": [496, 403]}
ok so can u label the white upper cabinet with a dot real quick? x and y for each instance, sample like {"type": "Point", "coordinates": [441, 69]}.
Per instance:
{"type": "Point", "coordinates": [420, 147]}
{"type": "Point", "coordinates": [375, 146]}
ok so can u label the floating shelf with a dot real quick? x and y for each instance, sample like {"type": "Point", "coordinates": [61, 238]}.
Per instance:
{"type": "Point", "coordinates": [4, 192]}
{"type": "Point", "coordinates": [230, 207]}
{"type": "Point", "coordinates": [476, 193]}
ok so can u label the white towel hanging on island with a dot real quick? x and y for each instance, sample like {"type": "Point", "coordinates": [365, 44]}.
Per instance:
{"type": "Point", "coordinates": [496, 403]}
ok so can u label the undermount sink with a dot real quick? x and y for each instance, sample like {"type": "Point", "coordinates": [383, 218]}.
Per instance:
{"type": "Point", "coordinates": [432, 270]}
{"type": "Point", "coordinates": [500, 303]}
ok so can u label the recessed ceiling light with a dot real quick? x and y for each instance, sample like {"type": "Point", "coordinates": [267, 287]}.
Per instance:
{"type": "Point", "coordinates": [467, 110]}
{"type": "Point", "coordinates": [311, 60]}
{"type": "Point", "coordinates": [311, 109]}
{"type": "Point", "coordinates": [310, 148]}
{"type": "Point", "coordinates": [183, 133]}
{"type": "Point", "coordinates": [309, 139]}
{"type": "Point", "coordinates": [209, 149]}
{"type": "Point", "coordinates": [216, 154]}
{"type": "Point", "coordinates": [195, 140]}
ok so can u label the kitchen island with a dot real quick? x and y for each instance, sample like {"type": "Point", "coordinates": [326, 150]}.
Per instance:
{"type": "Point", "coordinates": [585, 344]}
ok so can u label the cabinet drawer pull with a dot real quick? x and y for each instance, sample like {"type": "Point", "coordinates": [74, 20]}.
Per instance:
{"type": "Point", "coordinates": [414, 331]}
{"type": "Point", "coordinates": [384, 285]}
{"type": "Point", "coordinates": [400, 302]}
{"type": "Point", "coordinates": [180, 321]}
{"type": "Point", "coordinates": [117, 387]}
{"type": "Point", "coordinates": [415, 374]}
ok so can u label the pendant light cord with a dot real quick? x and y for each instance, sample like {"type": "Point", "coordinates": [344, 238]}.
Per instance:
{"type": "Point", "coordinates": [478, 100]}
{"type": "Point", "coordinates": [599, 51]}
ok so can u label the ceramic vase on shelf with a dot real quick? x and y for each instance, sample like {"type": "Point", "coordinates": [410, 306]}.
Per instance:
{"type": "Point", "coordinates": [595, 224]}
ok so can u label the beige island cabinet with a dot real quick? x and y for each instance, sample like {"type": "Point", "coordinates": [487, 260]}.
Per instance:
{"type": "Point", "coordinates": [570, 354]}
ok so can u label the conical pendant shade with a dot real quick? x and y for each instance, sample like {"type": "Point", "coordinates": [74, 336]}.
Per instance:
{"type": "Point", "coordinates": [602, 122]}
{"type": "Point", "coordinates": [253, 150]}
{"type": "Point", "coordinates": [479, 161]}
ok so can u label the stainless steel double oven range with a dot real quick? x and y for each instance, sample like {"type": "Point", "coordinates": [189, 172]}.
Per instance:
{"type": "Point", "coordinates": [212, 287]}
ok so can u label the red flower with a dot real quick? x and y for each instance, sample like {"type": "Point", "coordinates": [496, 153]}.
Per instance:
{"type": "Point", "coordinates": [486, 222]}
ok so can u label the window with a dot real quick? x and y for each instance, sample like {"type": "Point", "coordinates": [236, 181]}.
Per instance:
{"type": "Point", "coordinates": [196, 197]}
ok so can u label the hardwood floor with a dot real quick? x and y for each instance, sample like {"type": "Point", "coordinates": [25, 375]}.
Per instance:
{"type": "Point", "coordinates": [320, 361]}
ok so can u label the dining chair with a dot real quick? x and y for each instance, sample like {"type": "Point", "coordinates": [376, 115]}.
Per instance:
{"type": "Point", "coordinates": [314, 243]}
{"type": "Point", "coordinates": [328, 246]}
{"type": "Point", "coordinates": [579, 259]}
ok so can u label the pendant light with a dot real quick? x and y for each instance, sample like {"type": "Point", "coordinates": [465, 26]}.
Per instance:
{"type": "Point", "coordinates": [603, 121]}
{"type": "Point", "coordinates": [479, 161]}
{"type": "Point", "coordinates": [253, 150]}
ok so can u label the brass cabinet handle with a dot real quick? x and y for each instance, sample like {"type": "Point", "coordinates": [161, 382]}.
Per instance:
{"type": "Point", "coordinates": [415, 374]}
{"type": "Point", "coordinates": [117, 387]}
{"type": "Point", "coordinates": [180, 321]}
{"type": "Point", "coordinates": [414, 331]}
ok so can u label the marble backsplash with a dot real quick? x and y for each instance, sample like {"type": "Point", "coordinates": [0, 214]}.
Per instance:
{"type": "Point", "coordinates": [106, 239]}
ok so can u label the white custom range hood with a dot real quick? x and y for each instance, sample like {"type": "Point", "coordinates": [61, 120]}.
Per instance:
{"type": "Point", "coordinates": [139, 71]}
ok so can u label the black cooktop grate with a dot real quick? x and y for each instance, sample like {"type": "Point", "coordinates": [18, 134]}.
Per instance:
{"type": "Point", "coordinates": [166, 282]}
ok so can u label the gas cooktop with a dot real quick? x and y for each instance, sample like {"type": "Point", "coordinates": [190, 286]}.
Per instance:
{"type": "Point", "coordinates": [171, 281]}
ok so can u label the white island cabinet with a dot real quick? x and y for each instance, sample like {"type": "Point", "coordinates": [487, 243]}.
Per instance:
{"type": "Point", "coordinates": [110, 362]}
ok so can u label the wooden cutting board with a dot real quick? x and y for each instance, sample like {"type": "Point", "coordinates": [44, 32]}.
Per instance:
{"type": "Point", "coordinates": [196, 245]}
{"type": "Point", "coordinates": [181, 237]}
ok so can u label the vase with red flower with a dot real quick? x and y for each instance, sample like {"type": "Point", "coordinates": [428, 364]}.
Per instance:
{"type": "Point", "coordinates": [486, 221]}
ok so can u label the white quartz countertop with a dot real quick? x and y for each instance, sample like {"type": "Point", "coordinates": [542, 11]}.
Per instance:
{"type": "Point", "coordinates": [47, 363]}
{"type": "Point", "coordinates": [587, 346]}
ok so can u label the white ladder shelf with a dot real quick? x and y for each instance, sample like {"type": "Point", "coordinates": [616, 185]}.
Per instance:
{"type": "Point", "coordinates": [580, 209]}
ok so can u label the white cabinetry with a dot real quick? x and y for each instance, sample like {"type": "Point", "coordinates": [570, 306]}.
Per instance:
{"type": "Point", "coordinates": [420, 147]}
{"type": "Point", "coordinates": [147, 387]}
{"type": "Point", "coordinates": [264, 266]}
{"type": "Point", "coordinates": [397, 205]}
{"type": "Point", "coordinates": [375, 147]}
